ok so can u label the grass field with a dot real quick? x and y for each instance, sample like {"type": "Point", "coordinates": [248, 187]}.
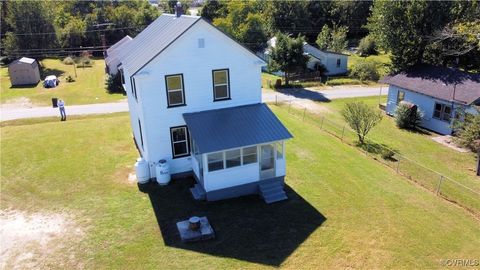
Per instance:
{"type": "Point", "coordinates": [89, 85]}
{"type": "Point", "coordinates": [425, 159]}
{"type": "Point", "coordinates": [345, 210]}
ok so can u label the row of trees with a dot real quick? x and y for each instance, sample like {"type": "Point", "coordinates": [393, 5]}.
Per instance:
{"type": "Point", "coordinates": [37, 28]}
{"type": "Point", "coordinates": [439, 33]}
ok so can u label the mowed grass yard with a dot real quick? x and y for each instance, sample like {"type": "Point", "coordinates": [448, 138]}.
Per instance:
{"type": "Point", "coordinates": [89, 85]}
{"type": "Point", "coordinates": [345, 210]}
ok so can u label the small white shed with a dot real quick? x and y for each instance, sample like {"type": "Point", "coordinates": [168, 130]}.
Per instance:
{"type": "Point", "coordinates": [24, 71]}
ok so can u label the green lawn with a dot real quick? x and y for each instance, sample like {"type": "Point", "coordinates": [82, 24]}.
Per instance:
{"type": "Point", "coordinates": [89, 85]}
{"type": "Point", "coordinates": [345, 210]}
{"type": "Point", "coordinates": [419, 148]}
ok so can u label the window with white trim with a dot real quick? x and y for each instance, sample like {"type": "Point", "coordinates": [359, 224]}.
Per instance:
{"type": "Point", "coordinates": [215, 161]}
{"type": "Point", "coordinates": [249, 155]}
{"type": "Point", "coordinates": [442, 112]}
{"type": "Point", "coordinates": [180, 145]}
{"type": "Point", "coordinates": [233, 158]}
{"type": "Point", "coordinates": [400, 96]}
{"type": "Point", "coordinates": [221, 84]}
{"type": "Point", "coordinates": [175, 90]}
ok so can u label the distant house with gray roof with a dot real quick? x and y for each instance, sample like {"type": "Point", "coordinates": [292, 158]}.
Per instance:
{"type": "Point", "coordinates": [112, 57]}
{"type": "Point", "coordinates": [439, 92]}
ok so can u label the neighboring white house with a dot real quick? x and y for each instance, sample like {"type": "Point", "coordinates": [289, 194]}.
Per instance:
{"type": "Point", "coordinates": [194, 96]}
{"type": "Point", "coordinates": [112, 57]}
{"type": "Point", "coordinates": [335, 63]}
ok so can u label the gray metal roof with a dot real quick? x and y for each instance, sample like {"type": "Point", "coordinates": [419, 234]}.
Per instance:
{"type": "Point", "coordinates": [234, 127]}
{"type": "Point", "coordinates": [154, 39]}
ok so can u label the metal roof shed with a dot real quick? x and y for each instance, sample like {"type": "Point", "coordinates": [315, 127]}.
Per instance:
{"type": "Point", "coordinates": [24, 71]}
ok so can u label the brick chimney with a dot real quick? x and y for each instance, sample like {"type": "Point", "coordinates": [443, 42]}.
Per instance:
{"type": "Point", "coordinates": [178, 9]}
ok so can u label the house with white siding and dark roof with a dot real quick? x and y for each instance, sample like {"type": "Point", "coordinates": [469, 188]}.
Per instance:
{"type": "Point", "coordinates": [194, 97]}
{"type": "Point", "coordinates": [439, 92]}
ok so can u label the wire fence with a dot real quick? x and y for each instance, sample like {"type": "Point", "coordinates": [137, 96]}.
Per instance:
{"type": "Point", "coordinates": [440, 184]}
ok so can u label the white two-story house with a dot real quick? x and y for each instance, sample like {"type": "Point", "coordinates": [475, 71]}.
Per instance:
{"type": "Point", "coordinates": [194, 97]}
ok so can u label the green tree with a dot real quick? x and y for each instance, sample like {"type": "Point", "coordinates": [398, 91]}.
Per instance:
{"type": "Point", "coordinates": [361, 118]}
{"type": "Point", "coordinates": [324, 38]}
{"type": "Point", "coordinates": [367, 46]}
{"type": "Point", "coordinates": [26, 20]}
{"type": "Point", "coordinates": [403, 28]}
{"type": "Point", "coordinates": [351, 14]}
{"type": "Point", "coordinates": [244, 23]}
{"type": "Point", "coordinates": [288, 56]}
{"type": "Point", "coordinates": [469, 134]}
{"type": "Point", "coordinates": [333, 39]}
{"type": "Point", "coordinates": [407, 117]}
{"type": "Point", "coordinates": [288, 16]}
{"type": "Point", "coordinates": [365, 70]}
{"type": "Point", "coordinates": [213, 9]}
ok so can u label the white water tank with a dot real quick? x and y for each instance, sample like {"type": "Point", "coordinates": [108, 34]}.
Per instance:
{"type": "Point", "coordinates": [163, 172]}
{"type": "Point", "coordinates": [142, 171]}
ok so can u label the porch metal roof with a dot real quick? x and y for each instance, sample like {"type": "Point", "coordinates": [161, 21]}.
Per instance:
{"type": "Point", "coordinates": [221, 129]}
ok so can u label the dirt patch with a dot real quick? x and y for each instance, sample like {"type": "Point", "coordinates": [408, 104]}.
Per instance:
{"type": "Point", "coordinates": [18, 103]}
{"type": "Point", "coordinates": [29, 240]}
{"type": "Point", "coordinates": [448, 142]}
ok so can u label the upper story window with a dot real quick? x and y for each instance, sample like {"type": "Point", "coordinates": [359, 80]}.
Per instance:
{"type": "Point", "coordinates": [180, 145]}
{"type": "Point", "coordinates": [338, 62]}
{"type": "Point", "coordinates": [175, 90]}
{"type": "Point", "coordinates": [442, 112]}
{"type": "Point", "coordinates": [134, 88]}
{"type": "Point", "coordinates": [221, 84]}
{"type": "Point", "coordinates": [400, 96]}
{"type": "Point", "coordinates": [201, 43]}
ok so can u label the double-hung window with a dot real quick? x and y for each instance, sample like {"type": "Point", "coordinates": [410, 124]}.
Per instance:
{"type": "Point", "coordinates": [400, 96]}
{"type": "Point", "coordinates": [221, 84]}
{"type": "Point", "coordinates": [180, 145]}
{"type": "Point", "coordinates": [175, 90]}
{"type": "Point", "coordinates": [442, 112]}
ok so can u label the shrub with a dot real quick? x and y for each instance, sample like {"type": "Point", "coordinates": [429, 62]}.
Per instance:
{"type": "Point", "coordinates": [469, 134]}
{"type": "Point", "coordinates": [113, 84]}
{"type": "Point", "coordinates": [361, 118]}
{"type": "Point", "coordinates": [387, 153]}
{"type": "Point", "coordinates": [367, 46]}
{"type": "Point", "coordinates": [69, 78]}
{"type": "Point", "coordinates": [408, 116]}
{"type": "Point", "coordinates": [365, 70]}
{"type": "Point", "coordinates": [68, 60]}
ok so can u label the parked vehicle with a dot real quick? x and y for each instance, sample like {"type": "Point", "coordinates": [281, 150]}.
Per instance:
{"type": "Point", "coordinates": [51, 81]}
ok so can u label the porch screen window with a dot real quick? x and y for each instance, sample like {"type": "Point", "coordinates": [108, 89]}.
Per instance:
{"type": "Point", "coordinates": [233, 158]}
{"type": "Point", "coordinates": [221, 84]}
{"type": "Point", "coordinates": [279, 150]}
{"type": "Point", "coordinates": [175, 92]}
{"type": "Point", "coordinates": [400, 96]}
{"type": "Point", "coordinates": [215, 161]}
{"type": "Point", "coordinates": [249, 155]}
{"type": "Point", "coordinates": [179, 136]}
{"type": "Point", "coordinates": [442, 112]}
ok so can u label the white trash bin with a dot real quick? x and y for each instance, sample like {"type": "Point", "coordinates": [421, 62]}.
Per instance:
{"type": "Point", "coordinates": [162, 171]}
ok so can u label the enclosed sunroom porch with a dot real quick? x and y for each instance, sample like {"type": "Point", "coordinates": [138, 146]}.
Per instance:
{"type": "Point", "coordinates": [238, 151]}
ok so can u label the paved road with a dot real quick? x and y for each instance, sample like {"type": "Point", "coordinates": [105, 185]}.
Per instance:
{"type": "Point", "coordinates": [9, 113]}
{"type": "Point", "coordinates": [324, 95]}
{"type": "Point", "coordinates": [35, 112]}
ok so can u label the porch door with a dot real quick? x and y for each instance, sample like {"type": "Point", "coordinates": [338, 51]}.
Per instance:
{"type": "Point", "coordinates": [267, 161]}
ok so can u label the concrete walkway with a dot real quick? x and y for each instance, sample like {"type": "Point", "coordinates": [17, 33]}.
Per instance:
{"type": "Point", "coordinates": [300, 95]}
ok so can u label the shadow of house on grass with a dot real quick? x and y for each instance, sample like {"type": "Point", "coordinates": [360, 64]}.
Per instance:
{"type": "Point", "coordinates": [245, 228]}
{"type": "Point", "coordinates": [304, 93]}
